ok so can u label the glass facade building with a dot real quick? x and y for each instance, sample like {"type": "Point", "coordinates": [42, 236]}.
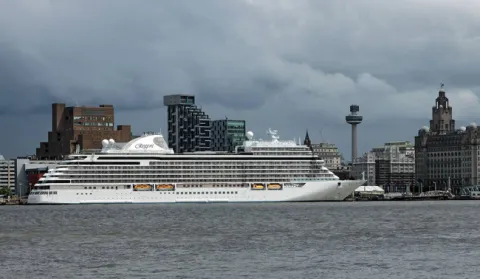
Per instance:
{"type": "Point", "coordinates": [227, 134]}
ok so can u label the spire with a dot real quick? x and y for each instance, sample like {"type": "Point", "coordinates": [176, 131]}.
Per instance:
{"type": "Point", "coordinates": [307, 141]}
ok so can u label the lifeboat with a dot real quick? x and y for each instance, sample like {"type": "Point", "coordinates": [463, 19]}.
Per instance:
{"type": "Point", "coordinates": [258, 186]}
{"type": "Point", "coordinates": [142, 187]}
{"type": "Point", "coordinates": [274, 186]}
{"type": "Point", "coordinates": [163, 187]}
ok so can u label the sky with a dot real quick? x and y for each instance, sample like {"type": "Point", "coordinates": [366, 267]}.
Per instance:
{"type": "Point", "coordinates": [289, 65]}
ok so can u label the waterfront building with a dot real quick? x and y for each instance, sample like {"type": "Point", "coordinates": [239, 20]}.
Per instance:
{"type": "Point", "coordinates": [80, 128]}
{"type": "Point", "coordinates": [189, 128]}
{"type": "Point", "coordinates": [445, 156]}
{"type": "Point", "coordinates": [326, 151]}
{"type": "Point", "coordinates": [330, 153]}
{"type": "Point", "coordinates": [7, 174]}
{"type": "Point", "coordinates": [391, 166]}
{"type": "Point", "coordinates": [227, 134]}
{"type": "Point", "coordinates": [26, 173]}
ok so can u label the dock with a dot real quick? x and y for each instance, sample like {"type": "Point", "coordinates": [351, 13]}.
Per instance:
{"type": "Point", "coordinates": [430, 195]}
{"type": "Point", "coordinates": [13, 201]}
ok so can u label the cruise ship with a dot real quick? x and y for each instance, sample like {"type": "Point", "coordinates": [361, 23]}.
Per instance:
{"type": "Point", "coordinates": [146, 170]}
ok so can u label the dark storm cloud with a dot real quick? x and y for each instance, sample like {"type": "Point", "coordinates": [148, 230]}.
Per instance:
{"type": "Point", "coordinates": [268, 61]}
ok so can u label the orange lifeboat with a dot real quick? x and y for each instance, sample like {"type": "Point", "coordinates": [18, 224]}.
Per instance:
{"type": "Point", "coordinates": [274, 186]}
{"type": "Point", "coordinates": [164, 187]}
{"type": "Point", "coordinates": [258, 186]}
{"type": "Point", "coordinates": [142, 187]}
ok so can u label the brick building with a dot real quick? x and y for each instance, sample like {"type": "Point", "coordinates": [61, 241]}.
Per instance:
{"type": "Point", "coordinates": [80, 127]}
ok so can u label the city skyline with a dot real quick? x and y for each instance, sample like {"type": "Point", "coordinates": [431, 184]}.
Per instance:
{"type": "Point", "coordinates": [274, 65]}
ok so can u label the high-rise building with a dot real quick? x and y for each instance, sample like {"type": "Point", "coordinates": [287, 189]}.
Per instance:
{"type": "Point", "coordinates": [189, 128]}
{"type": "Point", "coordinates": [227, 134]}
{"type": "Point", "coordinates": [80, 128]}
{"type": "Point", "coordinates": [391, 166]}
{"type": "Point", "coordinates": [7, 174]}
{"type": "Point", "coordinates": [446, 157]}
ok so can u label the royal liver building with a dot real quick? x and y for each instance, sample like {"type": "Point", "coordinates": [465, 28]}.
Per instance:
{"type": "Point", "coordinates": [445, 156]}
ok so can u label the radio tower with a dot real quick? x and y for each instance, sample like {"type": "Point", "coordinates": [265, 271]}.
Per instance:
{"type": "Point", "coordinates": [354, 119]}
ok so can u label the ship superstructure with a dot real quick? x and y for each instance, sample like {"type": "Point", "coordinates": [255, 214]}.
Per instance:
{"type": "Point", "coordinates": [146, 170]}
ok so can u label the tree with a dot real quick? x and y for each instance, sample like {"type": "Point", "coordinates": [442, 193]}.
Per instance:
{"type": "Point", "coordinates": [5, 191]}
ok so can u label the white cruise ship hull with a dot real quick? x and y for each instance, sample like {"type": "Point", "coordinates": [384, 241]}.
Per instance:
{"type": "Point", "coordinates": [312, 191]}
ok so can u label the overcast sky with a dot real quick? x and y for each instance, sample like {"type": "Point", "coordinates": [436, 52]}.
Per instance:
{"type": "Point", "coordinates": [289, 65]}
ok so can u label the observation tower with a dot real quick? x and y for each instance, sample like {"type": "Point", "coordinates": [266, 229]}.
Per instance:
{"type": "Point", "coordinates": [354, 119]}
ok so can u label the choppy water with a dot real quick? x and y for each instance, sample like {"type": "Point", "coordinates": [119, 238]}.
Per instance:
{"type": "Point", "coordinates": [292, 240]}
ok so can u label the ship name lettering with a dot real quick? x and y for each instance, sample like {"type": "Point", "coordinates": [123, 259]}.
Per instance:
{"type": "Point", "coordinates": [143, 146]}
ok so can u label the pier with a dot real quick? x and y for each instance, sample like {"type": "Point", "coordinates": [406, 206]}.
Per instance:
{"type": "Point", "coordinates": [430, 195]}
{"type": "Point", "coordinates": [13, 201]}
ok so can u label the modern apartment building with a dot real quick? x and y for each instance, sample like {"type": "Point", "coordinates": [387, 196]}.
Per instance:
{"type": "Point", "coordinates": [227, 134]}
{"type": "Point", "coordinates": [80, 128]}
{"type": "Point", "coordinates": [189, 128]}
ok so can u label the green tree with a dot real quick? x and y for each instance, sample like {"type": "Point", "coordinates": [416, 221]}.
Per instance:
{"type": "Point", "coordinates": [5, 191]}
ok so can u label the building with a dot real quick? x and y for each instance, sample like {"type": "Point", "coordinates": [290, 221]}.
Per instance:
{"type": "Point", "coordinates": [80, 128]}
{"type": "Point", "coordinates": [7, 174]}
{"type": "Point", "coordinates": [445, 156]}
{"type": "Point", "coordinates": [326, 151]}
{"type": "Point", "coordinates": [27, 172]}
{"type": "Point", "coordinates": [227, 134]}
{"type": "Point", "coordinates": [391, 166]}
{"type": "Point", "coordinates": [366, 165]}
{"type": "Point", "coordinates": [189, 128]}
{"type": "Point", "coordinates": [329, 153]}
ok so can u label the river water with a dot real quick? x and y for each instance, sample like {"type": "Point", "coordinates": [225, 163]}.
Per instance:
{"type": "Point", "coordinates": [439, 239]}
